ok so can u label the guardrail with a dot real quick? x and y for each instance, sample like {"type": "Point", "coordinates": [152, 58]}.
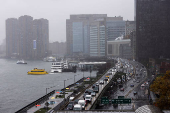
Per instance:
{"type": "Point", "coordinates": [77, 96]}
{"type": "Point", "coordinates": [38, 101]}
{"type": "Point", "coordinates": [101, 93]}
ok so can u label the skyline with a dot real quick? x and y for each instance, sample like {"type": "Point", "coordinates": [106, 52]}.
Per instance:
{"type": "Point", "coordinates": [57, 20]}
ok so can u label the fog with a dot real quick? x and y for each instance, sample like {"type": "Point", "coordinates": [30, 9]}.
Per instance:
{"type": "Point", "coordinates": [57, 11]}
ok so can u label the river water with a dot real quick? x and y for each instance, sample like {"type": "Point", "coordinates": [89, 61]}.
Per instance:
{"type": "Point", "coordinates": [17, 89]}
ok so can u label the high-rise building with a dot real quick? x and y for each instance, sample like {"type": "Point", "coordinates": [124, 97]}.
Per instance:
{"type": "Point", "coordinates": [78, 33]}
{"type": "Point", "coordinates": [24, 33]}
{"type": "Point", "coordinates": [115, 27]}
{"type": "Point", "coordinates": [129, 27]}
{"type": "Point", "coordinates": [25, 36]}
{"type": "Point", "coordinates": [12, 37]}
{"type": "Point", "coordinates": [41, 37]}
{"type": "Point", "coordinates": [97, 39]}
{"type": "Point", "coordinates": [152, 29]}
{"type": "Point", "coordinates": [87, 34]}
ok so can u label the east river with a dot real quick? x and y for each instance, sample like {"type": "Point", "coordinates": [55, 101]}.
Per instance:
{"type": "Point", "coordinates": [17, 89]}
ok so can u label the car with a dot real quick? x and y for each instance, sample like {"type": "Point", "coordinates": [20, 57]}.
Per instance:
{"type": "Point", "coordinates": [121, 89]}
{"type": "Point", "coordinates": [94, 85]}
{"type": "Point", "coordinates": [70, 105]}
{"type": "Point", "coordinates": [97, 84]}
{"type": "Point", "coordinates": [88, 98]}
{"type": "Point", "coordinates": [77, 107]}
{"type": "Point", "coordinates": [101, 82]}
{"type": "Point", "coordinates": [76, 101]}
{"type": "Point", "coordinates": [135, 92]}
{"type": "Point", "coordinates": [96, 89]}
{"type": "Point", "coordinates": [138, 81]}
{"type": "Point", "coordinates": [106, 78]}
{"type": "Point", "coordinates": [85, 95]}
{"type": "Point", "coordinates": [131, 85]}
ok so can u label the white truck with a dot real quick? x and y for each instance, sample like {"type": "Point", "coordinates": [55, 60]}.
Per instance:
{"type": "Point", "coordinates": [82, 103]}
{"type": "Point", "coordinates": [77, 107]}
{"type": "Point", "coordinates": [88, 98]}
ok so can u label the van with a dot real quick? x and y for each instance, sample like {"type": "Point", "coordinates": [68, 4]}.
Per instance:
{"type": "Point", "coordinates": [82, 103]}
{"type": "Point", "coordinates": [88, 98]}
{"type": "Point", "coordinates": [77, 107]}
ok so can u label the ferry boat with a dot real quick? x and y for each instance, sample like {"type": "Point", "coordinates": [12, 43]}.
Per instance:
{"type": "Point", "coordinates": [36, 71]}
{"type": "Point", "coordinates": [21, 62]}
{"type": "Point", "coordinates": [49, 59]}
{"type": "Point", "coordinates": [57, 67]}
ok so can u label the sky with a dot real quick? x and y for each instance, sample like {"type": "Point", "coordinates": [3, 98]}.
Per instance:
{"type": "Point", "coordinates": [57, 11]}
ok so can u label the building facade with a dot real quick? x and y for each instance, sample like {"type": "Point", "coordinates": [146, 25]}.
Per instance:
{"type": "Point", "coordinates": [125, 51]}
{"type": "Point", "coordinates": [58, 49]}
{"type": "Point", "coordinates": [152, 29]}
{"type": "Point", "coordinates": [115, 27]}
{"type": "Point", "coordinates": [114, 46]}
{"type": "Point", "coordinates": [12, 37]}
{"type": "Point", "coordinates": [87, 34]}
{"type": "Point", "coordinates": [31, 37]}
{"type": "Point", "coordinates": [129, 27]}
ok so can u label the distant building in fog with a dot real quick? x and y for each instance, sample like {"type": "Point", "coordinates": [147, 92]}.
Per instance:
{"type": "Point", "coordinates": [152, 29]}
{"type": "Point", "coordinates": [58, 48]}
{"type": "Point", "coordinates": [87, 34]}
{"type": "Point", "coordinates": [114, 46]}
{"type": "Point", "coordinates": [129, 27]}
{"type": "Point", "coordinates": [115, 27]}
{"type": "Point", "coordinates": [20, 34]}
{"type": "Point", "coordinates": [125, 51]}
{"type": "Point", "coordinates": [12, 37]}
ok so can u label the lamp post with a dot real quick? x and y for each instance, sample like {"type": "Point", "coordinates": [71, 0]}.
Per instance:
{"type": "Point", "coordinates": [90, 74]}
{"type": "Point", "coordinates": [64, 91]}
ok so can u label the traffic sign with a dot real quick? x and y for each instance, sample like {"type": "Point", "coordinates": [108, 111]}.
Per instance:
{"type": "Point", "coordinates": [104, 100]}
{"type": "Point", "coordinates": [121, 101]}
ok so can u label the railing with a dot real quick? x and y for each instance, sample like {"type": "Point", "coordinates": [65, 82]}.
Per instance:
{"type": "Point", "coordinates": [38, 101]}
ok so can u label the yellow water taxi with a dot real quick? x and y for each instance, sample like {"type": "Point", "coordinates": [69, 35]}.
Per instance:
{"type": "Point", "coordinates": [36, 71]}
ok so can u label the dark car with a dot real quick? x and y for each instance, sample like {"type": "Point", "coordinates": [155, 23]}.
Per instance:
{"type": "Point", "coordinates": [85, 95]}
{"type": "Point", "coordinates": [94, 85]}
{"type": "Point", "coordinates": [135, 93]}
{"type": "Point", "coordinates": [106, 78]}
{"type": "Point", "coordinates": [96, 89]}
{"type": "Point", "coordinates": [76, 101]}
{"type": "Point", "coordinates": [70, 105]}
{"type": "Point", "coordinates": [88, 91]}
{"type": "Point", "coordinates": [131, 85]}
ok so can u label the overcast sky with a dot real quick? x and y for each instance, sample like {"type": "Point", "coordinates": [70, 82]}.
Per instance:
{"type": "Point", "coordinates": [57, 11]}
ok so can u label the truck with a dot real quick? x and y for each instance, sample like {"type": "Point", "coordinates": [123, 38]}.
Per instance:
{"type": "Point", "coordinates": [88, 98]}
{"type": "Point", "coordinates": [82, 103]}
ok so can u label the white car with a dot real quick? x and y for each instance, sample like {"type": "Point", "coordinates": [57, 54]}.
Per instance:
{"type": "Point", "coordinates": [101, 82]}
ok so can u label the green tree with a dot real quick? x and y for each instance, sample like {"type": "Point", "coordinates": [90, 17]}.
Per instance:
{"type": "Point", "coordinates": [161, 86]}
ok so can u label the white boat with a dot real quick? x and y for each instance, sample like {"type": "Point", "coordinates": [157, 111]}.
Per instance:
{"type": "Point", "coordinates": [57, 67]}
{"type": "Point", "coordinates": [49, 59]}
{"type": "Point", "coordinates": [21, 62]}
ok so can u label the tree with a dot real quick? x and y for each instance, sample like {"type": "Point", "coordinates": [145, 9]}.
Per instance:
{"type": "Point", "coordinates": [161, 86]}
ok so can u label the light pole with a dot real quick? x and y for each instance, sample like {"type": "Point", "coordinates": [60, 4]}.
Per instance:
{"type": "Point", "coordinates": [46, 100]}
{"type": "Point", "coordinates": [83, 71]}
{"type": "Point", "coordinates": [90, 74]}
{"type": "Point", "coordinates": [64, 91]}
